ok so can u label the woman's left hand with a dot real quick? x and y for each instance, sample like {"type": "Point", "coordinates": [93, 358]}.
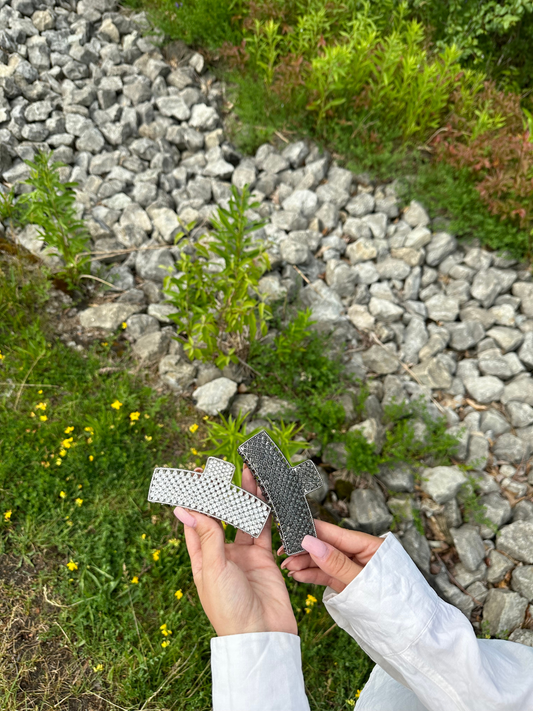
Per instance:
{"type": "Point", "coordinates": [239, 584]}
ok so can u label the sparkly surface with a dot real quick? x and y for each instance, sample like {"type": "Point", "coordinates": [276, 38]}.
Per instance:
{"type": "Point", "coordinates": [284, 488]}
{"type": "Point", "coordinates": [210, 492]}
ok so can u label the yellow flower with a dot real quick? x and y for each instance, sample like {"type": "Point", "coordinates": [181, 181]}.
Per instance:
{"type": "Point", "coordinates": [43, 418]}
{"type": "Point", "coordinates": [165, 643]}
{"type": "Point", "coordinates": [164, 630]}
{"type": "Point", "coordinates": [71, 565]}
{"type": "Point", "coordinates": [116, 405]}
{"type": "Point", "coordinates": [98, 667]}
{"type": "Point", "coordinates": [135, 580]}
{"type": "Point", "coordinates": [62, 452]}
{"type": "Point", "coordinates": [134, 416]}
{"type": "Point", "coordinates": [68, 430]}
{"type": "Point", "coordinates": [67, 443]}
{"type": "Point", "coordinates": [59, 462]}
{"type": "Point", "coordinates": [143, 536]}
{"type": "Point", "coordinates": [90, 430]}
{"type": "Point", "coordinates": [194, 451]}
{"type": "Point", "coordinates": [91, 457]}
{"type": "Point", "coordinates": [146, 417]}
{"type": "Point", "coordinates": [311, 600]}
{"type": "Point", "coordinates": [7, 515]}
{"type": "Point", "coordinates": [1, 356]}
{"type": "Point", "coordinates": [148, 438]}
{"type": "Point", "coordinates": [307, 610]}
{"type": "Point", "coordinates": [124, 324]}
{"type": "Point", "coordinates": [205, 418]}
{"type": "Point", "coordinates": [32, 414]}
{"type": "Point", "coordinates": [155, 555]}
{"type": "Point", "coordinates": [174, 542]}
{"type": "Point", "coordinates": [358, 693]}
{"type": "Point", "coordinates": [104, 343]}
{"type": "Point", "coordinates": [78, 502]}
{"type": "Point", "coordinates": [80, 486]}
{"type": "Point", "coordinates": [350, 702]}
{"type": "Point", "coordinates": [89, 440]}
{"type": "Point", "coordinates": [178, 594]}
{"type": "Point", "coordinates": [45, 464]}
{"type": "Point", "coordinates": [41, 406]}
{"type": "Point", "coordinates": [193, 428]}
{"type": "Point", "coordinates": [62, 495]}
{"type": "Point", "coordinates": [39, 392]}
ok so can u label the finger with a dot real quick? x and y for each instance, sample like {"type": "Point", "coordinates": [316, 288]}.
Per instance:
{"type": "Point", "coordinates": [298, 562]}
{"type": "Point", "coordinates": [211, 537]}
{"type": "Point", "coordinates": [331, 561]}
{"type": "Point", "coordinates": [281, 550]}
{"type": "Point", "coordinates": [192, 539]}
{"type": "Point", "coordinates": [315, 576]}
{"type": "Point", "coordinates": [362, 545]}
{"type": "Point", "coordinates": [248, 483]}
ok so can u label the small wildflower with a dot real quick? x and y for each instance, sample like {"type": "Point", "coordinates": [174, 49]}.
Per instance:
{"type": "Point", "coordinates": [193, 428]}
{"type": "Point", "coordinates": [89, 440]}
{"type": "Point", "coordinates": [116, 405]}
{"type": "Point", "coordinates": [45, 464]}
{"type": "Point", "coordinates": [124, 324]}
{"type": "Point", "coordinates": [178, 594]}
{"type": "Point", "coordinates": [194, 451]}
{"type": "Point", "coordinates": [91, 458]}
{"type": "Point", "coordinates": [43, 418]}
{"type": "Point", "coordinates": [155, 555]}
{"type": "Point", "coordinates": [39, 392]}
{"type": "Point", "coordinates": [80, 486]}
{"type": "Point", "coordinates": [205, 418]}
{"type": "Point", "coordinates": [135, 580]}
{"type": "Point", "coordinates": [350, 702]}
{"type": "Point", "coordinates": [1, 356]}
{"type": "Point", "coordinates": [148, 438]}
{"type": "Point", "coordinates": [134, 416]}
{"type": "Point", "coordinates": [71, 565]}
{"type": "Point", "coordinates": [165, 643]}
{"type": "Point", "coordinates": [98, 668]}
{"type": "Point", "coordinates": [174, 542]}
{"type": "Point", "coordinates": [7, 514]}
{"type": "Point", "coordinates": [146, 417]}
{"type": "Point", "coordinates": [62, 495]}
{"type": "Point", "coordinates": [62, 452]}
{"type": "Point", "coordinates": [67, 443]}
{"type": "Point", "coordinates": [90, 430]}
{"type": "Point", "coordinates": [143, 536]}
{"type": "Point", "coordinates": [32, 414]}
{"type": "Point", "coordinates": [358, 693]}
{"type": "Point", "coordinates": [164, 630]}
{"type": "Point", "coordinates": [41, 406]}
{"type": "Point", "coordinates": [104, 343]}
{"type": "Point", "coordinates": [68, 430]}
{"type": "Point", "coordinates": [307, 610]}
{"type": "Point", "coordinates": [59, 462]}
{"type": "Point", "coordinates": [78, 502]}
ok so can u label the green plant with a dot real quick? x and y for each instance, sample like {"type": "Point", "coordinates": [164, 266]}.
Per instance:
{"type": "Point", "coordinates": [218, 307]}
{"type": "Point", "coordinates": [361, 455]}
{"type": "Point", "coordinates": [226, 436]}
{"type": "Point", "coordinates": [473, 510]}
{"type": "Point", "coordinates": [51, 206]}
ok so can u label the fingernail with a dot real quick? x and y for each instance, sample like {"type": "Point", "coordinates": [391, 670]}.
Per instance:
{"type": "Point", "coordinates": [315, 547]}
{"type": "Point", "coordinates": [280, 550]}
{"type": "Point", "coordinates": [284, 564]}
{"type": "Point", "coordinates": [185, 517]}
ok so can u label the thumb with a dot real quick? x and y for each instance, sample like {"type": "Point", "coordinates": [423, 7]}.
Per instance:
{"type": "Point", "coordinates": [209, 534]}
{"type": "Point", "coordinates": [340, 569]}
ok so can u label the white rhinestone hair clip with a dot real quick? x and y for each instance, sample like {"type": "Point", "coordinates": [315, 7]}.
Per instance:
{"type": "Point", "coordinates": [210, 492]}
{"type": "Point", "coordinates": [284, 487]}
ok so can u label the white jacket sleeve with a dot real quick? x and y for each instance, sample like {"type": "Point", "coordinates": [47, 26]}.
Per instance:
{"type": "Point", "coordinates": [426, 644]}
{"type": "Point", "coordinates": [260, 671]}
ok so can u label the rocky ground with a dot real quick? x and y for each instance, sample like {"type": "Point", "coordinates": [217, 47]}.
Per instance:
{"type": "Point", "coordinates": [414, 311]}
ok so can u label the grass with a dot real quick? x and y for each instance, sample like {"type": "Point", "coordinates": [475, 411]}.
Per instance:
{"type": "Point", "coordinates": [74, 472]}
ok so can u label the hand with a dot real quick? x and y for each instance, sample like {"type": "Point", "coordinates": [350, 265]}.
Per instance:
{"type": "Point", "coordinates": [240, 586]}
{"type": "Point", "coordinates": [335, 558]}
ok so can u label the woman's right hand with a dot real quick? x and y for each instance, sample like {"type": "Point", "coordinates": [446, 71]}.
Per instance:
{"type": "Point", "coordinates": [334, 558]}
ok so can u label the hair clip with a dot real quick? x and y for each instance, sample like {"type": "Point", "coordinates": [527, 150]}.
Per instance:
{"type": "Point", "coordinates": [210, 492]}
{"type": "Point", "coordinates": [284, 487]}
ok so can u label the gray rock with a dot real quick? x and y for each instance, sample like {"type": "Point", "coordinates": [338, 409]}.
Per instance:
{"type": "Point", "coordinates": [485, 389]}
{"type": "Point", "coordinates": [362, 250]}
{"type": "Point", "coordinates": [140, 324]}
{"type": "Point", "coordinates": [335, 455]}
{"type": "Point", "coordinates": [166, 222]}
{"type": "Point", "coordinates": [497, 510]}
{"type": "Point", "coordinates": [393, 269]}
{"type": "Point", "coordinates": [522, 581]}
{"type": "Point", "coordinates": [340, 277]}
{"type": "Point", "coordinates": [303, 201]}
{"type": "Point", "coordinates": [442, 308]}
{"type": "Point", "coordinates": [433, 374]}
{"type": "Point", "coordinates": [469, 546]}
{"type": "Point", "coordinates": [271, 288]}
{"type": "Point", "coordinates": [177, 373]}
{"type": "Point", "coordinates": [384, 310]}
{"type": "Point", "coordinates": [108, 316]}
{"type": "Point", "coordinates": [360, 205]}
{"type": "Point", "coordinates": [381, 361]}
{"type": "Point", "coordinates": [203, 118]}
{"type": "Point", "coordinates": [503, 611]}
{"type": "Point", "coordinates": [162, 312]}
{"type": "Point", "coordinates": [508, 339]}
{"type": "Point", "coordinates": [399, 479]}
{"type": "Point", "coordinates": [415, 215]}
{"type": "Point", "coordinates": [466, 577]}
{"type": "Point", "coordinates": [295, 250]}
{"type": "Point", "coordinates": [361, 318]}
{"type": "Point", "coordinates": [519, 390]}
{"type": "Point", "coordinates": [296, 153]}
{"type": "Point", "coordinates": [440, 247]}
{"type": "Point", "coordinates": [478, 451]}
{"type": "Point", "coordinates": [442, 483]}
{"type": "Point", "coordinates": [522, 636]}
{"type": "Point", "coordinates": [495, 422]}
{"type": "Point", "coordinates": [244, 405]}
{"type": "Point", "coordinates": [274, 408]}
{"type": "Point", "coordinates": [526, 351]}
{"type": "Point", "coordinates": [173, 106]}
{"type": "Point", "coordinates": [417, 547]}
{"type": "Point", "coordinates": [325, 303]}
{"type": "Point", "coordinates": [523, 511]}
{"type": "Point", "coordinates": [151, 346]}
{"type": "Point", "coordinates": [499, 566]}
{"type": "Point", "coordinates": [215, 397]}
{"type": "Point", "coordinates": [511, 449]}
{"type": "Point", "coordinates": [154, 264]}
{"type": "Point", "coordinates": [366, 273]}
{"type": "Point", "coordinates": [516, 540]}
{"type": "Point", "coordinates": [465, 335]}
{"type": "Point", "coordinates": [453, 595]}
{"type": "Point", "coordinates": [486, 287]}
{"type": "Point", "coordinates": [369, 510]}
{"type": "Point", "coordinates": [356, 228]}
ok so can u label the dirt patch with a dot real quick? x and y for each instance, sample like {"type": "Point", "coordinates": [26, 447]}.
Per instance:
{"type": "Point", "coordinates": [38, 669]}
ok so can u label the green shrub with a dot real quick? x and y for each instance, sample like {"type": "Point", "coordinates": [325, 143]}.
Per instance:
{"type": "Point", "coordinates": [362, 456]}
{"type": "Point", "coordinates": [218, 308]}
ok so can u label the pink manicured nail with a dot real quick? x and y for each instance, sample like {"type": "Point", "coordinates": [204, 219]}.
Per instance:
{"type": "Point", "coordinates": [315, 547]}
{"type": "Point", "coordinates": [185, 517]}
{"type": "Point", "coordinates": [280, 550]}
